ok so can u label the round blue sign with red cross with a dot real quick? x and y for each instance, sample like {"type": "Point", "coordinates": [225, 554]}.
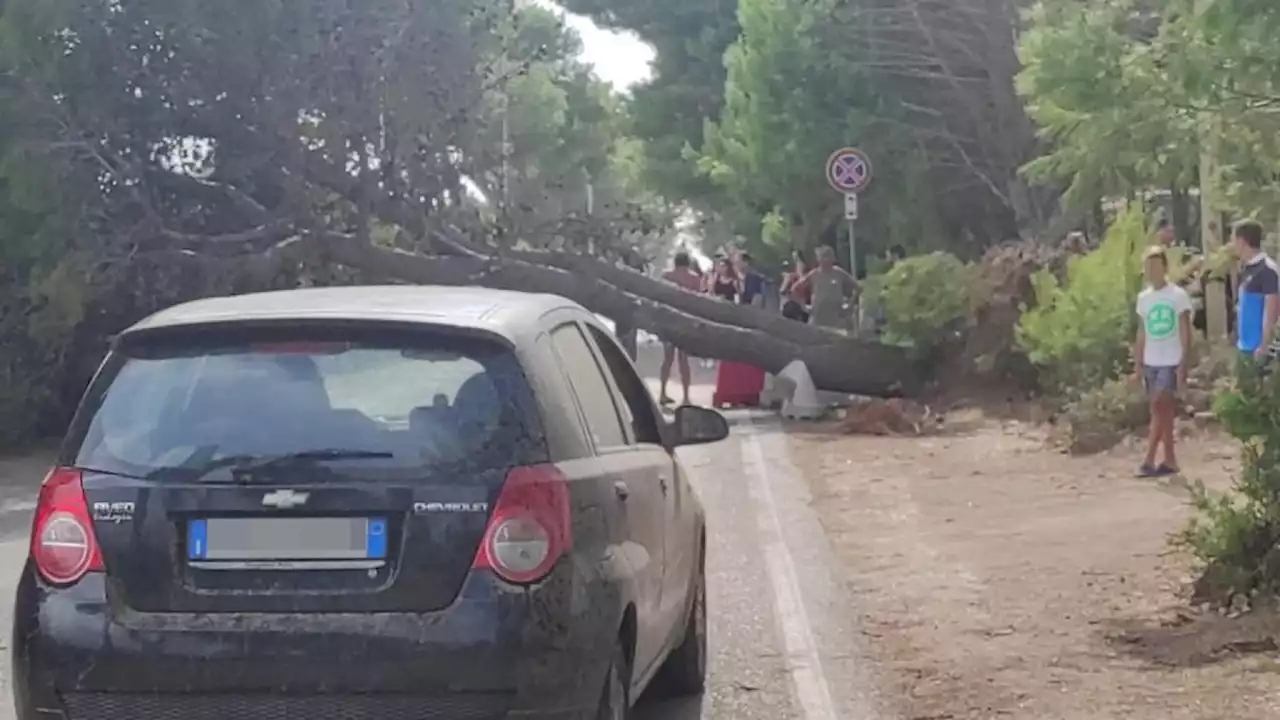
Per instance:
{"type": "Point", "coordinates": [849, 170]}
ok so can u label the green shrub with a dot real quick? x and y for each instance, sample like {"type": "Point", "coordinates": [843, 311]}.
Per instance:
{"type": "Point", "coordinates": [1098, 419]}
{"type": "Point", "coordinates": [1079, 332]}
{"type": "Point", "coordinates": [1235, 534]}
{"type": "Point", "coordinates": [923, 298]}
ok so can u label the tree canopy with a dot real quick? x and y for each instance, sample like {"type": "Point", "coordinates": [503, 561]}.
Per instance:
{"type": "Point", "coordinates": [773, 88]}
{"type": "Point", "coordinates": [152, 151]}
{"type": "Point", "coordinates": [1127, 94]}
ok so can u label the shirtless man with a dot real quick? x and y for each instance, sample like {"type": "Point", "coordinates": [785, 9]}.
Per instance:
{"type": "Point", "coordinates": [681, 274]}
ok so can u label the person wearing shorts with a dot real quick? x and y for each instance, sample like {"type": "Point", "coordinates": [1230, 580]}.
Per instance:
{"type": "Point", "coordinates": [1161, 353]}
{"type": "Point", "coordinates": [683, 275]}
{"type": "Point", "coordinates": [1258, 303]}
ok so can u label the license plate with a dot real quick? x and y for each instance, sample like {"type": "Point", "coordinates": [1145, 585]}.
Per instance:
{"type": "Point", "coordinates": [268, 539]}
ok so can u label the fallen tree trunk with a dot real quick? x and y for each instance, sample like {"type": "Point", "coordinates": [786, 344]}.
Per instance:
{"type": "Point", "coordinates": [677, 298]}
{"type": "Point", "coordinates": [700, 325]}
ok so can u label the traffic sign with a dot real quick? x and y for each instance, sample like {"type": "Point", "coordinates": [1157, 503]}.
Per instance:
{"type": "Point", "coordinates": [851, 206]}
{"type": "Point", "coordinates": [849, 170]}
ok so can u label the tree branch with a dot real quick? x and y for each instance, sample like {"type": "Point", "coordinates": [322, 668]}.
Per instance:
{"type": "Point", "coordinates": [700, 325]}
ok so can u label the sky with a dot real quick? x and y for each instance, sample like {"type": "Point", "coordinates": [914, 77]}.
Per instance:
{"type": "Point", "coordinates": [622, 59]}
{"type": "Point", "coordinates": [619, 58]}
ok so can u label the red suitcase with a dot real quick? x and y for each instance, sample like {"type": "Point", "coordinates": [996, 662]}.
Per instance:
{"type": "Point", "coordinates": [737, 385]}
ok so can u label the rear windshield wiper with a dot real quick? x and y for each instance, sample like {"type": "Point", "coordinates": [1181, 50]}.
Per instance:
{"type": "Point", "coordinates": [243, 467]}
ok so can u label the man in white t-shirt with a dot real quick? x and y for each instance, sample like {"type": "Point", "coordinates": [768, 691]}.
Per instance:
{"type": "Point", "coordinates": [1160, 356]}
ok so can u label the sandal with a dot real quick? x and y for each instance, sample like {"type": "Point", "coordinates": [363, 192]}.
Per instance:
{"type": "Point", "coordinates": [1148, 470]}
{"type": "Point", "coordinates": [1165, 469]}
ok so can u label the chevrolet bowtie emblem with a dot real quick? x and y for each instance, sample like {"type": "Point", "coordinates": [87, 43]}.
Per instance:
{"type": "Point", "coordinates": [284, 499]}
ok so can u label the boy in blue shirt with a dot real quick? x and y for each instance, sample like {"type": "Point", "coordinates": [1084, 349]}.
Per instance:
{"type": "Point", "coordinates": [1259, 292]}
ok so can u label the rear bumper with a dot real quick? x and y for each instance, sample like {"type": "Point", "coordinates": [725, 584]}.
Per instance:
{"type": "Point", "coordinates": [314, 707]}
{"type": "Point", "coordinates": [495, 654]}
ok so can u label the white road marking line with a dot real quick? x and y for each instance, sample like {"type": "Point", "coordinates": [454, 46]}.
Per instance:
{"type": "Point", "coordinates": [16, 506]}
{"type": "Point", "coordinates": [804, 664]}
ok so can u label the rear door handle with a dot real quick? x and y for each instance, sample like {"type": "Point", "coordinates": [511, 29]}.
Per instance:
{"type": "Point", "coordinates": [622, 490]}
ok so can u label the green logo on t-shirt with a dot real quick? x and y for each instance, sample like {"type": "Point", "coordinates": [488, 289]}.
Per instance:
{"type": "Point", "coordinates": [1162, 320]}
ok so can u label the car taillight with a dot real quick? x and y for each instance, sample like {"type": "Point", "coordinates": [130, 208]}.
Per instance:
{"type": "Point", "coordinates": [62, 541]}
{"type": "Point", "coordinates": [529, 528]}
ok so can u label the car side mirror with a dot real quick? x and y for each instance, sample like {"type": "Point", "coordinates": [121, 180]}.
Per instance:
{"type": "Point", "coordinates": [698, 426]}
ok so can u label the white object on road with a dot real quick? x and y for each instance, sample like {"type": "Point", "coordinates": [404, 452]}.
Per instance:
{"type": "Point", "coordinates": [800, 396]}
{"type": "Point", "coordinates": [771, 395]}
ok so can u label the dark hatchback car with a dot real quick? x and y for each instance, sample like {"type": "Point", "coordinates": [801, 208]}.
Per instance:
{"type": "Point", "coordinates": [390, 503]}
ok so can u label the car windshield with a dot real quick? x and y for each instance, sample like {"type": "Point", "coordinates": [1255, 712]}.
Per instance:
{"type": "Point", "coordinates": [354, 408]}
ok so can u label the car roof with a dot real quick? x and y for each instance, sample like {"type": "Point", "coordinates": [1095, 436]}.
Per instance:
{"type": "Point", "coordinates": [506, 313]}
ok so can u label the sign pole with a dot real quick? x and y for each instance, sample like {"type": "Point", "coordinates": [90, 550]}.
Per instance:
{"type": "Point", "coordinates": [849, 172]}
{"type": "Point", "coordinates": [853, 249]}
{"type": "Point", "coordinates": [851, 217]}
{"type": "Point", "coordinates": [853, 270]}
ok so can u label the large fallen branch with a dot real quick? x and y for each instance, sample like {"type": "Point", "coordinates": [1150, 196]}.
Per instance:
{"type": "Point", "coordinates": [671, 296]}
{"type": "Point", "coordinates": [702, 326]}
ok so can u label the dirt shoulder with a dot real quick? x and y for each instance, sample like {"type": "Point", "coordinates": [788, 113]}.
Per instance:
{"type": "Point", "coordinates": [997, 578]}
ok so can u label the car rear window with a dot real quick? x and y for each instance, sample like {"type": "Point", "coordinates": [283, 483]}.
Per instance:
{"type": "Point", "coordinates": [398, 404]}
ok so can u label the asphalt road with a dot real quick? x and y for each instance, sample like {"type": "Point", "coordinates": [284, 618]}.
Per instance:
{"type": "Point", "coordinates": [781, 644]}
{"type": "Point", "coordinates": [782, 647]}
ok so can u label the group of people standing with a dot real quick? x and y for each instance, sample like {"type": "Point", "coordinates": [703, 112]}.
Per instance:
{"type": "Point", "coordinates": [1162, 348]}
{"type": "Point", "coordinates": [733, 279]}
{"type": "Point", "coordinates": [818, 296]}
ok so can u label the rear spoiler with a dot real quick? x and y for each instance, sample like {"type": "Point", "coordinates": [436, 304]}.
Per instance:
{"type": "Point", "coordinates": [189, 331]}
